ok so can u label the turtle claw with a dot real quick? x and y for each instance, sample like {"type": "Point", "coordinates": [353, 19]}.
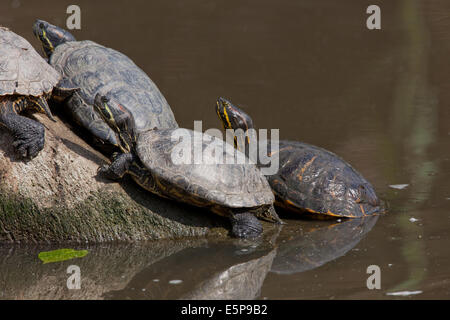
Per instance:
{"type": "Point", "coordinates": [28, 144]}
{"type": "Point", "coordinates": [114, 156]}
{"type": "Point", "coordinates": [103, 169]}
{"type": "Point", "coordinates": [108, 172]}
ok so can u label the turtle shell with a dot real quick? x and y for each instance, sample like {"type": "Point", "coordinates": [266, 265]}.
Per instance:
{"type": "Point", "coordinates": [208, 182]}
{"type": "Point", "coordinates": [96, 69]}
{"type": "Point", "coordinates": [22, 70]}
{"type": "Point", "coordinates": [318, 181]}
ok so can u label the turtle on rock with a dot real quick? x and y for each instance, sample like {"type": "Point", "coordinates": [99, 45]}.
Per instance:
{"type": "Point", "coordinates": [94, 69]}
{"type": "Point", "coordinates": [237, 191]}
{"type": "Point", "coordinates": [310, 180]}
{"type": "Point", "coordinates": [26, 82]}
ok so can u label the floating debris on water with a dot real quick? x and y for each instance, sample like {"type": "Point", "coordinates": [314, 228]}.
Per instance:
{"type": "Point", "coordinates": [398, 186]}
{"type": "Point", "coordinates": [413, 220]}
{"type": "Point", "coordinates": [175, 281]}
{"type": "Point", "coordinates": [61, 255]}
{"type": "Point", "coordinates": [404, 293]}
{"type": "Point", "coordinates": [155, 280]}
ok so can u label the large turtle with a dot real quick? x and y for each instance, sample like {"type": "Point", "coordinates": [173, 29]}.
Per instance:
{"type": "Point", "coordinates": [26, 82]}
{"type": "Point", "coordinates": [237, 191]}
{"type": "Point", "coordinates": [309, 179]}
{"type": "Point", "coordinates": [96, 69]}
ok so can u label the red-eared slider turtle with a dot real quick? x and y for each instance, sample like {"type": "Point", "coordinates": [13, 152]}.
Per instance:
{"type": "Point", "coordinates": [96, 69]}
{"type": "Point", "coordinates": [309, 179]}
{"type": "Point", "coordinates": [26, 82]}
{"type": "Point", "coordinates": [237, 191]}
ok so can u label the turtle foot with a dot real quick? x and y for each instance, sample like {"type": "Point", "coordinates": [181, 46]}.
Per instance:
{"type": "Point", "coordinates": [30, 140]}
{"type": "Point", "coordinates": [245, 225]}
{"type": "Point", "coordinates": [108, 172]}
{"type": "Point", "coordinates": [118, 167]}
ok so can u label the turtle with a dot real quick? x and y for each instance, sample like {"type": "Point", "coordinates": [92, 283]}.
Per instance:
{"type": "Point", "coordinates": [94, 69]}
{"type": "Point", "coordinates": [310, 180]}
{"type": "Point", "coordinates": [237, 191]}
{"type": "Point", "coordinates": [26, 83]}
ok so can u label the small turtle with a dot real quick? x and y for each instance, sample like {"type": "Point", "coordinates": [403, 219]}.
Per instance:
{"type": "Point", "coordinates": [237, 191]}
{"type": "Point", "coordinates": [26, 82]}
{"type": "Point", "coordinates": [96, 69]}
{"type": "Point", "coordinates": [309, 179]}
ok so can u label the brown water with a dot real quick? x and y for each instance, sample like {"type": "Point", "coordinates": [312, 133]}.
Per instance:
{"type": "Point", "coordinates": [380, 99]}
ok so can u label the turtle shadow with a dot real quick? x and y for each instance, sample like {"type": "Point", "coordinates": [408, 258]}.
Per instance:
{"type": "Point", "coordinates": [180, 212]}
{"type": "Point", "coordinates": [83, 152]}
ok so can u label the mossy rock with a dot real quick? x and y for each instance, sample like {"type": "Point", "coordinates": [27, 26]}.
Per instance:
{"type": "Point", "coordinates": [58, 197]}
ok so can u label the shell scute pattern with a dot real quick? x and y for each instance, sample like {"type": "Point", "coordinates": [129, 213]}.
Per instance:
{"type": "Point", "coordinates": [319, 181]}
{"type": "Point", "coordinates": [222, 184]}
{"type": "Point", "coordinates": [22, 69]}
{"type": "Point", "coordinates": [97, 69]}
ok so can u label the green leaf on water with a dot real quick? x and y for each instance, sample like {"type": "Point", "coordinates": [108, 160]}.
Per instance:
{"type": "Point", "coordinates": [61, 255]}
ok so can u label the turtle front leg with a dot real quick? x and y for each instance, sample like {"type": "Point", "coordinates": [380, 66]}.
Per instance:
{"type": "Point", "coordinates": [29, 135]}
{"type": "Point", "coordinates": [119, 166]}
{"type": "Point", "coordinates": [63, 90]}
{"type": "Point", "coordinates": [245, 225]}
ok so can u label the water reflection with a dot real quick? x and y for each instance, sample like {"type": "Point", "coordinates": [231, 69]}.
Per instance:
{"type": "Point", "coordinates": [216, 271]}
{"type": "Point", "coordinates": [104, 268]}
{"type": "Point", "coordinates": [315, 247]}
{"type": "Point", "coordinates": [183, 269]}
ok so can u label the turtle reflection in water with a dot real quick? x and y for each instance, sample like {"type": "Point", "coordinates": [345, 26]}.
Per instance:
{"type": "Point", "coordinates": [217, 271]}
{"type": "Point", "coordinates": [312, 249]}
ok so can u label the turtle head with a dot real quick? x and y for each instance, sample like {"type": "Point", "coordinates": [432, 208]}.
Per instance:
{"type": "Point", "coordinates": [234, 118]}
{"type": "Point", "coordinates": [119, 119]}
{"type": "Point", "coordinates": [50, 36]}
{"type": "Point", "coordinates": [231, 116]}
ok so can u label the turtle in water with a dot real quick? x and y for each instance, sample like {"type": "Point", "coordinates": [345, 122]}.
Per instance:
{"type": "Point", "coordinates": [96, 69]}
{"type": "Point", "coordinates": [237, 191]}
{"type": "Point", "coordinates": [26, 82]}
{"type": "Point", "coordinates": [309, 179]}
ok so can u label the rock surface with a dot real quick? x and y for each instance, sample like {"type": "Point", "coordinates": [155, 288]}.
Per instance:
{"type": "Point", "coordinates": [58, 196]}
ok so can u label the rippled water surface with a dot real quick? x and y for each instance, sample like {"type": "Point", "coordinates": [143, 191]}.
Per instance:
{"type": "Point", "coordinates": [380, 99]}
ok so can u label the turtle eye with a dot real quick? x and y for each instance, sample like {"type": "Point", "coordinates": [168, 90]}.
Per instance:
{"type": "Point", "coordinates": [41, 25]}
